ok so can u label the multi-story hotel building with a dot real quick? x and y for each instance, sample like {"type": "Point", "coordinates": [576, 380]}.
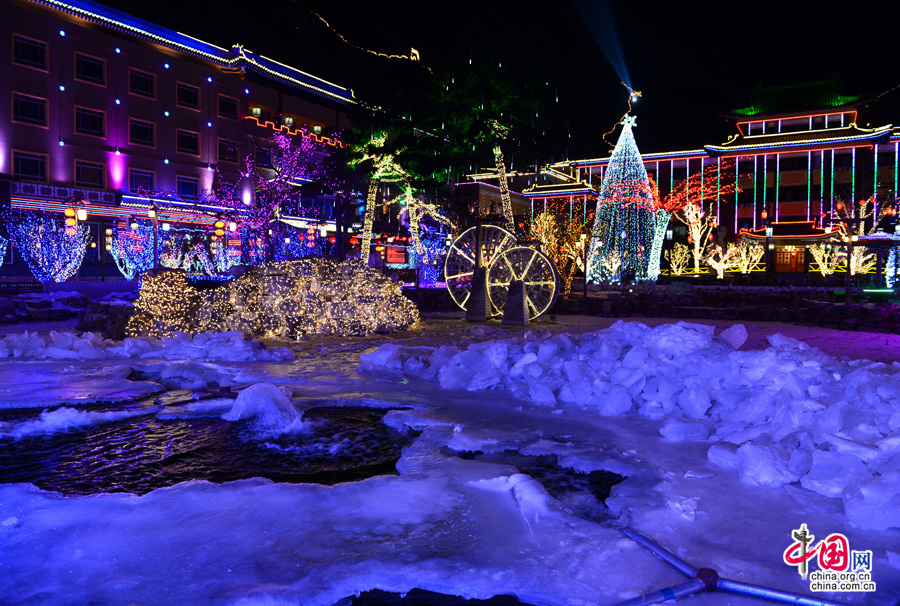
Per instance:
{"type": "Point", "coordinates": [100, 106]}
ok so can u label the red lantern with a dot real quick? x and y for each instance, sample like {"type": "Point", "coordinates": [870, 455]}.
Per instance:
{"type": "Point", "coordinates": [332, 239]}
{"type": "Point", "coordinates": [354, 241]}
{"type": "Point", "coordinates": [839, 205]}
{"type": "Point", "coordinates": [862, 202]}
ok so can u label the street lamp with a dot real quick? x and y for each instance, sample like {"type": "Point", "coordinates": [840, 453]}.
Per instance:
{"type": "Point", "coordinates": [107, 249]}
{"type": "Point", "coordinates": [154, 214]}
{"type": "Point", "coordinates": [584, 250]}
{"type": "Point", "coordinates": [670, 235]}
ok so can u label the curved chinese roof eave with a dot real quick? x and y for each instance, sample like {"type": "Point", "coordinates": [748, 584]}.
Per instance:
{"type": "Point", "coordinates": [236, 59]}
{"type": "Point", "coordinates": [850, 136]}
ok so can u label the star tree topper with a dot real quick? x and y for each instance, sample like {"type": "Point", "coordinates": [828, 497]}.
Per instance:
{"type": "Point", "coordinates": [629, 121]}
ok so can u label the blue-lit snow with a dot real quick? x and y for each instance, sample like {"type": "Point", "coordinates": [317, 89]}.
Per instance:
{"type": "Point", "coordinates": [726, 451]}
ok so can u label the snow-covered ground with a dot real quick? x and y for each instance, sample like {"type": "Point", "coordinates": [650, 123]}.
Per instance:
{"type": "Point", "coordinates": [730, 438]}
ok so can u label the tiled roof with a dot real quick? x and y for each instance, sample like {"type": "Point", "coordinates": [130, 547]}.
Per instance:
{"type": "Point", "coordinates": [848, 136]}
{"type": "Point", "coordinates": [794, 99]}
{"type": "Point", "coordinates": [237, 58]}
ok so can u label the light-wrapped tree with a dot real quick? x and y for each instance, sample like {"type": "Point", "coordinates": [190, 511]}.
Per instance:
{"type": "Point", "coordinates": [53, 250]}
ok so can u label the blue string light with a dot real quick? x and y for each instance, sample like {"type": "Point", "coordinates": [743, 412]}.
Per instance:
{"type": "Point", "coordinates": [132, 249]}
{"type": "Point", "coordinates": [53, 251]}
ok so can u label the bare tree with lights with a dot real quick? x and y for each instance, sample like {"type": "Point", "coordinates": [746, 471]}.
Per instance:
{"type": "Point", "coordinates": [52, 249]}
{"type": "Point", "coordinates": [691, 203]}
{"type": "Point", "coordinates": [678, 258]}
{"type": "Point", "coordinates": [851, 221]}
{"type": "Point", "coordinates": [748, 254]}
{"type": "Point", "coordinates": [722, 260]}
{"type": "Point", "coordinates": [294, 162]}
{"type": "Point", "coordinates": [826, 257]}
{"type": "Point", "coordinates": [560, 240]}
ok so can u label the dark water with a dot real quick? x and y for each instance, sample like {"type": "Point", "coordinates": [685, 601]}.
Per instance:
{"type": "Point", "coordinates": [584, 494]}
{"type": "Point", "coordinates": [142, 453]}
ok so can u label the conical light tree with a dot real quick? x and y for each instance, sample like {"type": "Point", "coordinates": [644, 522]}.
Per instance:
{"type": "Point", "coordinates": [623, 230]}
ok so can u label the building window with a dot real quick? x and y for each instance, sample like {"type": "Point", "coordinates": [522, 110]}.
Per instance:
{"type": "Point", "coordinates": [28, 52]}
{"type": "Point", "coordinates": [228, 150]}
{"type": "Point", "coordinates": [187, 96]}
{"type": "Point", "coordinates": [30, 110]}
{"type": "Point", "coordinates": [187, 142]}
{"type": "Point", "coordinates": [90, 122]}
{"type": "Point", "coordinates": [89, 174]}
{"type": "Point", "coordinates": [27, 165]}
{"type": "Point", "coordinates": [187, 187]}
{"type": "Point", "coordinates": [90, 69]}
{"type": "Point", "coordinates": [228, 107]}
{"type": "Point", "coordinates": [264, 158]}
{"type": "Point", "coordinates": [141, 83]}
{"type": "Point", "coordinates": [141, 132]}
{"type": "Point", "coordinates": [141, 180]}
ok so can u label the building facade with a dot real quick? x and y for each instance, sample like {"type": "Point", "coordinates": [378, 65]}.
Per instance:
{"type": "Point", "coordinates": [792, 167]}
{"type": "Point", "coordinates": [114, 114]}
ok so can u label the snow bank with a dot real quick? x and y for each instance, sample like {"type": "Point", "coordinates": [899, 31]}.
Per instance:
{"type": "Point", "coordinates": [225, 347]}
{"type": "Point", "coordinates": [781, 415]}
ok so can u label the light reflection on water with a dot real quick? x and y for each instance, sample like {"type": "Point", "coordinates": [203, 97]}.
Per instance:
{"type": "Point", "coordinates": [142, 453]}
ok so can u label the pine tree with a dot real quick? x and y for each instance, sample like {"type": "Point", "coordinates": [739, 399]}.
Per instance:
{"type": "Point", "coordinates": [623, 230]}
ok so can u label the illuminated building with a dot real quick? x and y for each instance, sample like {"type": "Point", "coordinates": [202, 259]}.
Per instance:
{"type": "Point", "coordinates": [799, 150]}
{"type": "Point", "coordinates": [102, 106]}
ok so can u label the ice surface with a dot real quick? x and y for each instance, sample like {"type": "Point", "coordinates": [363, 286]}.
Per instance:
{"type": "Point", "coordinates": [226, 346]}
{"type": "Point", "coordinates": [831, 472]}
{"type": "Point", "coordinates": [734, 336]}
{"type": "Point", "coordinates": [726, 451]}
{"type": "Point", "coordinates": [65, 418]}
{"type": "Point", "coordinates": [791, 413]}
{"type": "Point", "coordinates": [268, 408]}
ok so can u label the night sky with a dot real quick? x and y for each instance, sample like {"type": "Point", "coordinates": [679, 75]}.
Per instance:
{"type": "Point", "coordinates": [692, 60]}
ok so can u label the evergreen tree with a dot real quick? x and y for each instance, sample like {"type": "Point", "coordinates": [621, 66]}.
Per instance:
{"type": "Point", "coordinates": [623, 230]}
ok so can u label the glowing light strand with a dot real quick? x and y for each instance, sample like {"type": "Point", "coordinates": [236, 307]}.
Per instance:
{"type": "Point", "coordinates": [624, 225]}
{"type": "Point", "coordinates": [53, 251]}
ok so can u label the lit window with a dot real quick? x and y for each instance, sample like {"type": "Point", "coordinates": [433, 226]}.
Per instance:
{"type": "Point", "coordinates": [141, 132]}
{"type": "Point", "coordinates": [141, 83]}
{"type": "Point", "coordinates": [264, 158]}
{"type": "Point", "coordinates": [141, 180]}
{"type": "Point", "coordinates": [187, 142]}
{"type": "Point", "coordinates": [187, 187]}
{"type": "Point", "coordinates": [89, 174]}
{"type": "Point", "coordinates": [228, 107]}
{"type": "Point", "coordinates": [90, 122]}
{"type": "Point", "coordinates": [30, 166]}
{"type": "Point", "coordinates": [30, 110]}
{"type": "Point", "coordinates": [29, 52]}
{"type": "Point", "coordinates": [187, 96]}
{"type": "Point", "coordinates": [90, 69]}
{"type": "Point", "coordinates": [228, 150]}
